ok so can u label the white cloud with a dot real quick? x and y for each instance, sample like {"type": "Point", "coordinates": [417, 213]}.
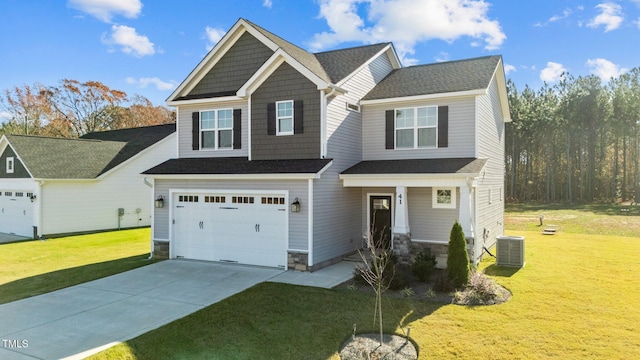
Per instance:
{"type": "Point", "coordinates": [611, 17]}
{"type": "Point", "coordinates": [508, 68]}
{"type": "Point", "coordinates": [407, 22]}
{"type": "Point", "coordinates": [146, 81]}
{"type": "Point", "coordinates": [442, 56]}
{"type": "Point", "coordinates": [104, 10]}
{"type": "Point", "coordinates": [565, 14]}
{"type": "Point", "coordinates": [130, 41]}
{"type": "Point", "coordinates": [5, 116]}
{"type": "Point", "coordinates": [552, 72]}
{"type": "Point", "coordinates": [213, 36]}
{"type": "Point", "coordinates": [267, 3]}
{"type": "Point", "coordinates": [605, 69]}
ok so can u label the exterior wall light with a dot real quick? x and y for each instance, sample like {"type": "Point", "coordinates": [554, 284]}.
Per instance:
{"type": "Point", "coordinates": [295, 206]}
{"type": "Point", "coordinates": [33, 198]}
{"type": "Point", "coordinates": [159, 202]}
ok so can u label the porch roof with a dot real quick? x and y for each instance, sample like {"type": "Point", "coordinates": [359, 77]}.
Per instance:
{"type": "Point", "coordinates": [413, 172]}
{"type": "Point", "coordinates": [471, 166]}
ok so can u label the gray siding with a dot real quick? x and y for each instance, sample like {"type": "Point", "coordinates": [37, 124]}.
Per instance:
{"type": "Point", "coordinates": [235, 67]}
{"type": "Point", "coordinates": [185, 125]}
{"type": "Point", "coordinates": [337, 219]}
{"type": "Point", "coordinates": [285, 83]}
{"type": "Point", "coordinates": [490, 211]}
{"type": "Point", "coordinates": [427, 223]}
{"type": "Point", "coordinates": [19, 171]}
{"type": "Point", "coordinates": [461, 131]}
{"type": "Point", "coordinates": [298, 222]}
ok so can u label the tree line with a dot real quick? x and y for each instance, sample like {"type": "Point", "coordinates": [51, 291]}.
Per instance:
{"type": "Point", "coordinates": [73, 108]}
{"type": "Point", "coordinates": [577, 141]}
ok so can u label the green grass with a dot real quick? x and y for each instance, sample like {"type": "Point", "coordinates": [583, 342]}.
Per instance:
{"type": "Point", "coordinates": [575, 299]}
{"type": "Point", "coordinates": [35, 267]}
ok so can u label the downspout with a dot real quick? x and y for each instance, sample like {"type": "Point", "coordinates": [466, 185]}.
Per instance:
{"type": "Point", "coordinates": [323, 110]}
{"type": "Point", "coordinates": [146, 182]}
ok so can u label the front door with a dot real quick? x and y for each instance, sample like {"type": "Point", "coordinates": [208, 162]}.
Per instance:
{"type": "Point", "coordinates": [380, 220]}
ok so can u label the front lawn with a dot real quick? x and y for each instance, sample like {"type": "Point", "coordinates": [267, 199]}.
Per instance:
{"type": "Point", "coordinates": [35, 267]}
{"type": "Point", "coordinates": [576, 298]}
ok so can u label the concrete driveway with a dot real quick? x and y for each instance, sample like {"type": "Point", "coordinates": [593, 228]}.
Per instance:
{"type": "Point", "coordinates": [84, 319]}
{"type": "Point", "coordinates": [80, 320]}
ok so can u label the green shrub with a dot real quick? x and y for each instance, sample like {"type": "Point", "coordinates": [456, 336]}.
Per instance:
{"type": "Point", "coordinates": [457, 258]}
{"type": "Point", "coordinates": [424, 265]}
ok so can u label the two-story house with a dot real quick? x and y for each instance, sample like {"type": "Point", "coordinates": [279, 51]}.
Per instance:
{"type": "Point", "coordinates": [289, 159]}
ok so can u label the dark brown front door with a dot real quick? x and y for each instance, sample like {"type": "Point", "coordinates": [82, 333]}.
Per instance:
{"type": "Point", "coordinates": [380, 220]}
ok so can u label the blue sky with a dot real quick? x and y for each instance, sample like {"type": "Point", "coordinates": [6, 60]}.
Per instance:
{"type": "Point", "coordinates": [148, 47]}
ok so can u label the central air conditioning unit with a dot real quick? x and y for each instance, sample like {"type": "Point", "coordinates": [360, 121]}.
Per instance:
{"type": "Point", "coordinates": [510, 251]}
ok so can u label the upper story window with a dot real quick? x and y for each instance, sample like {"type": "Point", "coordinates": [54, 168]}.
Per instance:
{"type": "Point", "coordinates": [10, 165]}
{"type": "Point", "coordinates": [284, 117]}
{"type": "Point", "coordinates": [216, 129]}
{"type": "Point", "coordinates": [416, 127]}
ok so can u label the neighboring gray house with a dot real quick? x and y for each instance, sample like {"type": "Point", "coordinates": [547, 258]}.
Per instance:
{"type": "Point", "coordinates": [51, 186]}
{"type": "Point", "coordinates": [284, 156]}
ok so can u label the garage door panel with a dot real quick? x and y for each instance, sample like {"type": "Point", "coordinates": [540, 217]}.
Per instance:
{"type": "Point", "coordinates": [16, 213]}
{"type": "Point", "coordinates": [231, 227]}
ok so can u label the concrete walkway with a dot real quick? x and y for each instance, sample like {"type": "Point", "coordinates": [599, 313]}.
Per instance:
{"type": "Point", "coordinates": [84, 319]}
{"type": "Point", "coordinates": [7, 238]}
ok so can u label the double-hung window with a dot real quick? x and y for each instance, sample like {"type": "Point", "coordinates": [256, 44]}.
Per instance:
{"type": "Point", "coordinates": [216, 129]}
{"type": "Point", "coordinates": [416, 127]}
{"type": "Point", "coordinates": [284, 117]}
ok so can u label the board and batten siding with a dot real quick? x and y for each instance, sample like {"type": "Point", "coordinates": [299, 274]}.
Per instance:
{"type": "Point", "coordinates": [79, 206]}
{"type": "Point", "coordinates": [462, 113]}
{"type": "Point", "coordinates": [337, 220]}
{"type": "Point", "coordinates": [285, 83]}
{"type": "Point", "coordinates": [298, 222]}
{"type": "Point", "coordinates": [490, 192]}
{"type": "Point", "coordinates": [185, 148]}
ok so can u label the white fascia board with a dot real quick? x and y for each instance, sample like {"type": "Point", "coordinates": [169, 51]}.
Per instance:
{"type": "Point", "coordinates": [408, 180]}
{"type": "Point", "coordinates": [426, 97]}
{"type": "Point", "coordinates": [45, 180]}
{"type": "Point", "coordinates": [500, 78]}
{"type": "Point", "coordinates": [301, 176]}
{"type": "Point", "coordinates": [271, 65]}
{"type": "Point", "coordinates": [387, 48]}
{"type": "Point", "coordinates": [205, 100]}
{"type": "Point", "coordinates": [319, 173]}
{"type": "Point", "coordinates": [173, 136]}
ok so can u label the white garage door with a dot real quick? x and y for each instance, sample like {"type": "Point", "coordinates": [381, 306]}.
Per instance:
{"type": "Point", "coordinates": [16, 213]}
{"type": "Point", "coordinates": [231, 227]}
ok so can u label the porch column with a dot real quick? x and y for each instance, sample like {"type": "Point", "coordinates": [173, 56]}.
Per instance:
{"type": "Point", "coordinates": [466, 206]}
{"type": "Point", "coordinates": [401, 220]}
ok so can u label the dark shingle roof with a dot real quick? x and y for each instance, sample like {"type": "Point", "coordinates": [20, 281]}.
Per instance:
{"type": "Point", "coordinates": [304, 57]}
{"type": "Point", "coordinates": [438, 78]}
{"type": "Point", "coordinates": [236, 166]}
{"type": "Point", "coordinates": [340, 63]}
{"type": "Point", "coordinates": [136, 139]}
{"type": "Point", "coordinates": [86, 158]}
{"type": "Point", "coordinates": [418, 166]}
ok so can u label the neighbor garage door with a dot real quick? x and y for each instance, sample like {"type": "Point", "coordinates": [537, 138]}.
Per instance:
{"type": "Point", "coordinates": [16, 213]}
{"type": "Point", "coordinates": [231, 227]}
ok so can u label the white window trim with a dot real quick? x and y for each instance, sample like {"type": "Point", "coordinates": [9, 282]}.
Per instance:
{"type": "Point", "coordinates": [283, 133]}
{"type": "Point", "coordinates": [215, 130]}
{"type": "Point", "coordinates": [415, 128]}
{"type": "Point", "coordinates": [434, 198]}
{"type": "Point", "coordinates": [11, 165]}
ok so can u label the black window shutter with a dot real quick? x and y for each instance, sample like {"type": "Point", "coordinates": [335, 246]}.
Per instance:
{"type": "Point", "coordinates": [298, 128]}
{"type": "Point", "coordinates": [271, 118]}
{"type": "Point", "coordinates": [443, 126]}
{"type": "Point", "coordinates": [195, 130]}
{"type": "Point", "coordinates": [390, 129]}
{"type": "Point", "coordinates": [237, 129]}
